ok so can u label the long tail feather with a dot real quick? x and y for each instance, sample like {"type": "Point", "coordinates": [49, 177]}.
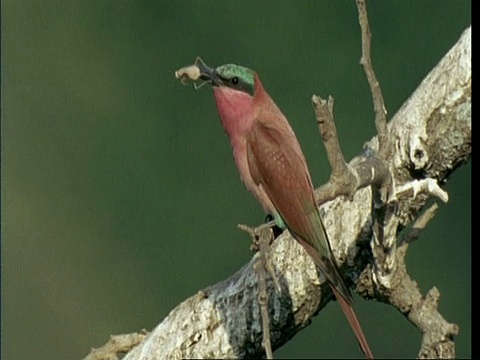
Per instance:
{"type": "Point", "coordinates": [354, 323]}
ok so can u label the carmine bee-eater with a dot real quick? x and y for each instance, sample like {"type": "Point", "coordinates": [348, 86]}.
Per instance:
{"type": "Point", "coordinates": [273, 167]}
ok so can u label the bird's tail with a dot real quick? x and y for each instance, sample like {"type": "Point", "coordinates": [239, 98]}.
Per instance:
{"type": "Point", "coordinates": [354, 323]}
{"type": "Point", "coordinates": [320, 250]}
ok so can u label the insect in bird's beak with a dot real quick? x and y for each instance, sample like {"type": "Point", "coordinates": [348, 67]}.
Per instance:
{"type": "Point", "coordinates": [198, 71]}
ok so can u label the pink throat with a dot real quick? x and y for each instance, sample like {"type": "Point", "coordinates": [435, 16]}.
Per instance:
{"type": "Point", "coordinates": [236, 110]}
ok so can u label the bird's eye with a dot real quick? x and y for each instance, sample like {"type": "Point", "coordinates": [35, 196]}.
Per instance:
{"type": "Point", "coordinates": [235, 80]}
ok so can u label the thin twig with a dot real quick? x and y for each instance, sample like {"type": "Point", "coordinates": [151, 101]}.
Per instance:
{"type": "Point", "coordinates": [419, 225]}
{"type": "Point", "coordinates": [261, 238]}
{"type": "Point", "coordinates": [263, 241]}
{"type": "Point", "coordinates": [343, 177]}
{"type": "Point", "coordinates": [328, 131]}
{"type": "Point", "coordinates": [366, 62]}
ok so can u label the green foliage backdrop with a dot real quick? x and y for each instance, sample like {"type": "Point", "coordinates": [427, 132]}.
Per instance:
{"type": "Point", "coordinates": [120, 197]}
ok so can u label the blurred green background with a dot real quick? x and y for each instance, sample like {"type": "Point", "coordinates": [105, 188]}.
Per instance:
{"type": "Point", "coordinates": [120, 196]}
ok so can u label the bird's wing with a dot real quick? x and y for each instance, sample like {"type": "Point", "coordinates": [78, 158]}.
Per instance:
{"type": "Point", "coordinates": [277, 164]}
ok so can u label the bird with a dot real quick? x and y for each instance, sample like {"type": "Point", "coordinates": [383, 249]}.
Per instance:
{"type": "Point", "coordinates": [274, 169]}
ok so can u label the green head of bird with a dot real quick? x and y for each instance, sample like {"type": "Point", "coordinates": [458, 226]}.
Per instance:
{"type": "Point", "coordinates": [233, 76]}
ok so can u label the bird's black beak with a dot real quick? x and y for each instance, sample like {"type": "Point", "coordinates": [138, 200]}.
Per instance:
{"type": "Point", "coordinates": [207, 73]}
